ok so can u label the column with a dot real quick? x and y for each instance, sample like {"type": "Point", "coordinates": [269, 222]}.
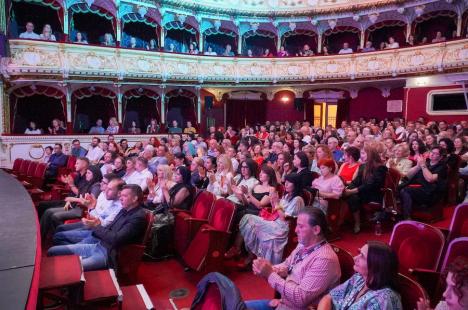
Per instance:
{"type": "Point", "coordinates": [161, 44]}
{"type": "Point", "coordinates": [119, 106]}
{"type": "Point", "coordinates": [278, 44]}
{"type": "Point", "coordinates": [163, 104]}
{"type": "Point", "coordinates": [3, 21]}
{"type": "Point", "coordinates": [408, 30]}
{"type": "Point", "coordinates": [118, 31]}
{"type": "Point", "coordinates": [363, 38]}
{"type": "Point", "coordinates": [239, 45]}
{"type": "Point", "coordinates": [319, 43]}
{"type": "Point", "coordinates": [68, 102]}
{"type": "Point", "coordinates": [66, 25]}
{"type": "Point", "coordinates": [199, 104]}
{"type": "Point", "coordinates": [459, 24]}
{"type": "Point", "coordinates": [200, 43]}
{"type": "Point", "coordinates": [3, 109]}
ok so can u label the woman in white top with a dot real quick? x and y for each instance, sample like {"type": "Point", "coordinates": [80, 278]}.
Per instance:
{"type": "Point", "coordinates": [210, 52]}
{"type": "Point", "coordinates": [113, 126]}
{"type": "Point", "coordinates": [245, 184]}
{"type": "Point", "coordinates": [129, 168]}
{"type": "Point", "coordinates": [80, 38]}
{"type": "Point", "coordinates": [392, 44]}
{"type": "Point", "coordinates": [32, 129]}
{"type": "Point", "coordinates": [222, 179]}
{"type": "Point", "coordinates": [156, 196]}
{"type": "Point", "coordinates": [47, 33]}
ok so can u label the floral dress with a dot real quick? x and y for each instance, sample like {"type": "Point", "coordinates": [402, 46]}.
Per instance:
{"type": "Point", "coordinates": [265, 238]}
{"type": "Point", "coordinates": [344, 296]}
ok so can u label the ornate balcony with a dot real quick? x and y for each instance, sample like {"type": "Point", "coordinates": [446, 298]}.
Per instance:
{"type": "Point", "coordinates": [61, 61]}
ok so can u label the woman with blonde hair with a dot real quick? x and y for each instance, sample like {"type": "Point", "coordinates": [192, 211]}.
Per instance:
{"type": "Point", "coordinates": [220, 181]}
{"type": "Point", "coordinates": [155, 195]}
{"type": "Point", "coordinates": [400, 160]}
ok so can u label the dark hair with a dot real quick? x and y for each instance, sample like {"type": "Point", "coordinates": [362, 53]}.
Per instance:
{"type": "Point", "coordinates": [382, 266]}
{"type": "Point", "coordinates": [450, 146]}
{"type": "Point", "coordinates": [316, 218]}
{"type": "Point", "coordinates": [50, 148]}
{"type": "Point", "coordinates": [186, 175]}
{"type": "Point", "coordinates": [421, 146]}
{"type": "Point", "coordinates": [304, 159]}
{"type": "Point", "coordinates": [442, 151]}
{"type": "Point", "coordinates": [353, 152]}
{"type": "Point", "coordinates": [58, 144]}
{"type": "Point", "coordinates": [98, 140]}
{"type": "Point", "coordinates": [111, 176]}
{"type": "Point", "coordinates": [85, 159]}
{"type": "Point", "coordinates": [212, 159]}
{"type": "Point", "coordinates": [135, 189]}
{"type": "Point", "coordinates": [373, 162]}
{"type": "Point", "coordinates": [271, 175]}
{"type": "Point", "coordinates": [252, 167]}
{"type": "Point", "coordinates": [75, 140]}
{"type": "Point", "coordinates": [295, 179]}
{"type": "Point", "coordinates": [97, 175]}
{"type": "Point", "coordinates": [459, 270]}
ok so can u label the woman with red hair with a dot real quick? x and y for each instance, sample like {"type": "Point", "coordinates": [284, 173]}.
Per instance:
{"type": "Point", "coordinates": [329, 185]}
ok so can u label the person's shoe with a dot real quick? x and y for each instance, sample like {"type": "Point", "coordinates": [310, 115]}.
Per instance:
{"type": "Point", "coordinates": [357, 228]}
{"type": "Point", "coordinates": [233, 252]}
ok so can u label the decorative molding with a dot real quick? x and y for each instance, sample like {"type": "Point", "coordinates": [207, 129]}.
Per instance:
{"type": "Point", "coordinates": [48, 60]}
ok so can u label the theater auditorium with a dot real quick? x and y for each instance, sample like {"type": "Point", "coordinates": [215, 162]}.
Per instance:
{"type": "Point", "coordinates": [234, 154]}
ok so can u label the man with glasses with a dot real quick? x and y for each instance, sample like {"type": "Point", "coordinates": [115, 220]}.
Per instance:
{"type": "Point", "coordinates": [101, 211]}
{"type": "Point", "coordinates": [427, 181]}
{"type": "Point", "coordinates": [77, 150]}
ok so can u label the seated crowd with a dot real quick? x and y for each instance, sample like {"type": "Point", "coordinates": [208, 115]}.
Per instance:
{"type": "Point", "coordinates": [306, 51]}
{"type": "Point", "coordinates": [264, 170]}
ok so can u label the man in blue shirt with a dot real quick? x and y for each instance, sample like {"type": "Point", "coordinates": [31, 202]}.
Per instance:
{"type": "Point", "coordinates": [77, 150]}
{"type": "Point", "coordinates": [332, 143]}
{"type": "Point", "coordinates": [98, 129]}
{"type": "Point", "coordinates": [175, 127]}
{"type": "Point", "coordinates": [100, 250]}
{"type": "Point", "coordinates": [56, 160]}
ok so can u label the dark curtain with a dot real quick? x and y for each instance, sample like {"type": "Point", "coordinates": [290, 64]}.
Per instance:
{"type": "Point", "coordinates": [141, 31]}
{"type": "Point", "coordinates": [181, 40]}
{"type": "Point", "coordinates": [181, 109]}
{"type": "Point", "coordinates": [258, 44]}
{"type": "Point", "coordinates": [141, 110]}
{"type": "Point", "coordinates": [92, 26]}
{"type": "Point", "coordinates": [218, 43]}
{"type": "Point", "coordinates": [241, 112]}
{"type": "Point", "coordinates": [429, 28]}
{"type": "Point", "coordinates": [39, 15]}
{"type": "Point", "coordinates": [38, 108]}
{"type": "Point", "coordinates": [293, 44]}
{"type": "Point", "coordinates": [381, 35]}
{"type": "Point", "coordinates": [342, 113]}
{"type": "Point", "coordinates": [88, 110]}
{"type": "Point", "coordinates": [335, 41]}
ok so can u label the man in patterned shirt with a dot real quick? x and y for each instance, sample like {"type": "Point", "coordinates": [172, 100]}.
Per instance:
{"type": "Point", "coordinates": [308, 273]}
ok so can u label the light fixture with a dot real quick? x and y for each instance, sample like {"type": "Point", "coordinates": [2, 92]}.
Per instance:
{"type": "Point", "coordinates": [285, 99]}
{"type": "Point", "coordinates": [142, 10]}
{"type": "Point", "coordinates": [292, 26]}
{"type": "Point", "coordinates": [422, 81]}
{"type": "Point", "coordinates": [419, 10]}
{"type": "Point", "coordinates": [332, 23]}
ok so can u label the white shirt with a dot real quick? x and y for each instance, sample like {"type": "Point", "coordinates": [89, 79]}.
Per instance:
{"type": "Point", "coordinates": [105, 210]}
{"type": "Point", "coordinates": [32, 132]}
{"type": "Point", "coordinates": [94, 154]}
{"type": "Point", "coordinates": [139, 178]}
{"type": "Point", "coordinates": [210, 53]}
{"type": "Point", "coordinates": [346, 51]}
{"type": "Point", "coordinates": [105, 167]}
{"type": "Point", "coordinates": [393, 45]}
{"type": "Point", "coordinates": [52, 37]}
{"type": "Point", "coordinates": [29, 35]}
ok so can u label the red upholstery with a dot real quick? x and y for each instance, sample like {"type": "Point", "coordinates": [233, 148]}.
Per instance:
{"type": "Point", "coordinates": [292, 237]}
{"type": "Point", "coordinates": [211, 300]}
{"type": "Point", "coordinates": [100, 286]}
{"type": "Point", "coordinates": [417, 245]}
{"type": "Point", "coordinates": [31, 169]}
{"type": "Point", "coordinates": [410, 292]}
{"type": "Point", "coordinates": [207, 248]}
{"type": "Point", "coordinates": [335, 214]}
{"type": "Point", "coordinates": [346, 263]}
{"type": "Point", "coordinates": [24, 167]}
{"type": "Point", "coordinates": [60, 271]}
{"type": "Point", "coordinates": [38, 178]}
{"type": "Point", "coordinates": [129, 256]}
{"type": "Point", "coordinates": [69, 167]}
{"type": "Point", "coordinates": [16, 165]}
{"type": "Point", "coordinates": [134, 298]}
{"type": "Point", "coordinates": [457, 247]}
{"type": "Point", "coordinates": [430, 215]}
{"type": "Point", "coordinates": [187, 224]}
{"type": "Point", "coordinates": [308, 197]}
{"type": "Point", "coordinates": [459, 224]}
{"type": "Point", "coordinates": [452, 182]}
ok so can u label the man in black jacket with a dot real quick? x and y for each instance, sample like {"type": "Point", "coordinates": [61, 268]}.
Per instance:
{"type": "Point", "coordinates": [100, 250]}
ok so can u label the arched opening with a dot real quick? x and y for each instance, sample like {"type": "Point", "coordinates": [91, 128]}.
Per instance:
{"type": "Point", "coordinates": [140, 106]}
{"type": "Point", "coordinates": [380, 32]}
{"type": "Point", "coordinates": [218, 39]}
{"type": "Point", "coordinates": [246, 107]}
{"type": "Point", "coordinates": [93, 22]}
{"type": "Point", "coordinates": [258, 42]}
{"type": "Point", "coordinates": [40, 104]}
{"type": "Point", "coordinates": [181, 107]}
{"type": "Point", "coordinates": [144, 30]}
{"type": "Point", "coordinates": [294, 41]}
{"type": "Point", "coordinates": [427, 26]}
{"type": "Point", "coordinates": [334, 39]}
{"type": "Point", "coordinates": [37, 12]}
{"type": "Point", "coordinates": [179, 36]}
{"type": "Point", "coordinates": [91, 104]}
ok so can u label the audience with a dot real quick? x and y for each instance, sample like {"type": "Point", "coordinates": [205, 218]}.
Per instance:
{"type": "Point", "coordinates": [32, 129]}
{"type": "Point", "coordinates": [47, 34]}
{"type": "Point", "coordinates": [29, 33]}
{"type": "Point", "coordinates": [80, 39]}
{"type": "Point", "coordinates": [346, 49]}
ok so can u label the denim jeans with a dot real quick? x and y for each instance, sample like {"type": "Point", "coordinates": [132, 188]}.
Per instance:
{"type": "Point", "coordinates": [93, 254]}
{"type": "Point", "coordinates": [71, 236]}
{"type": "Point", "coordinates": [260, 304]}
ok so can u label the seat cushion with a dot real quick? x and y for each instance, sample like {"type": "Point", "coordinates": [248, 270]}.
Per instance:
{"type": "Point", "coordinates": [60, 271]}
{"type": "Point", "coordinates": [414, 253]}
{"type": "Point", "coordinates": [100, 285]}
{"type": "Point", "coordinates": [135, 297]}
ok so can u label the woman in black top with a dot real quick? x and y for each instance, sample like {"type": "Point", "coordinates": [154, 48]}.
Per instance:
{"type": "Point", "coordinates": [179, 196]}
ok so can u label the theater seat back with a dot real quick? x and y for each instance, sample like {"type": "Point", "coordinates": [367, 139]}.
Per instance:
{"type": "Point", "coordinates": [222, 215]}
{"type": "Point", "coordinates": [17, 164]}
{"type": "Point", "coordinates": [417, 245]}
{"type": "Point", "coordinates": [203, 204]}
{"type": "Point", "coordinates": [410, 292]}
{"type": "Point", "coordinates": [457, 247]}
{"type": "Point", "coordinates": [459, 224]}
{"type": "Point", "coordinates": [346, 263]}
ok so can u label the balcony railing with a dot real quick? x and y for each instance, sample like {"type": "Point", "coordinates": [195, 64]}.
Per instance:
{"type": "Point", "coordinates": [67, 61]}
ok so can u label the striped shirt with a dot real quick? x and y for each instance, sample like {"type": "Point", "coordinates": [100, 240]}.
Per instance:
{"type": "Point", "coordinates": [309, 280]}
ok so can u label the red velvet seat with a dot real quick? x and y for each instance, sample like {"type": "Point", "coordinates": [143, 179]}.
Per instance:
{"type": "Point", "coordinates": [417, 245]}
{"type": "Point", "coordinates": [129, 256]}
{"type": "Point", "coordinates": [335, 215]}
{"type": "Point", "coordinates": [16, 166]}
{"type": "Point", "coordinates": [29, 172]}
{"type": "Point", "coordinates": [206, 251]}
{"type": "Point", "coordinates": [459, 224]}
{"type": "Point", "coordinates": [69, 167]}
{"type": "Point", "coordinates": [101, 287]}
{"type": "Point", "coordinates": [135, 297]}
{"type": "Point", "coordinates": [410, 292]}
{"type": "Point", "coordinates": [292, 237]}
{"type": "Point", "coordinates": [211, 300]}
{"type": "Point", "coordinates": [346, 263]}
{"type": "Point", "coordinates": [452, 182]}
{"type": "Point", "coordinates": [188, 223]}
{"type": "Point", "coordinates": [23, 169]}
{"type": "Point", "coordinates": [457, 247]}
